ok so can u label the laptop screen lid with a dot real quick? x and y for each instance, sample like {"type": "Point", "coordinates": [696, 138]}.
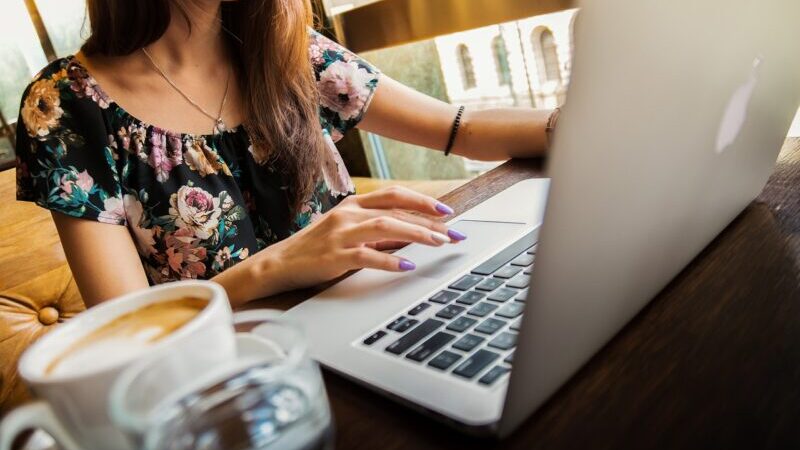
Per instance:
{"type": "Point", "coordinates": [675, 115]}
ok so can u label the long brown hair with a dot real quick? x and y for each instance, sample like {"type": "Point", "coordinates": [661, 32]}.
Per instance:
{"type": "Point", "coordinates": [273, 67]}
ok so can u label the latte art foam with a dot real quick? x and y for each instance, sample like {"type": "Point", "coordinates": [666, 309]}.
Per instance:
{"type": "Point", "coordinates": [126, 337]}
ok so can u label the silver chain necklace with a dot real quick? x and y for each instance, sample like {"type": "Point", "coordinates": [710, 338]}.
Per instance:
{"type": "Point", "coordinates": [219, 125]}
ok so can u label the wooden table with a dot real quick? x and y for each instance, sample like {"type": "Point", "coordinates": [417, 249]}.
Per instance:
{"type": "Point", "coordinates": [713, 362]}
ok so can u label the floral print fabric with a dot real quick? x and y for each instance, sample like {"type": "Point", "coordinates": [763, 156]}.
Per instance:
{"type": "Point", "coordinates": [194, 205]}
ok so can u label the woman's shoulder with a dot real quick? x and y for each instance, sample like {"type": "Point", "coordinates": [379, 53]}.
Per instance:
{"type": "Point", "coordinates": [54, 93]}
{"type": "Point", "coordinates": [324, 52]}
{"type": "Point", "coordinates": [54, 70]}
{"type": "Point", "coordinates": [345, 81]}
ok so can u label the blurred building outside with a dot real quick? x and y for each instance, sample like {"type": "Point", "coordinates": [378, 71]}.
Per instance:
{"type": "Point", "coordinates": [524, 63]}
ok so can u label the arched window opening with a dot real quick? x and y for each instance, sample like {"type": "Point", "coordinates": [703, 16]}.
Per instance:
{"type": "Point", "coordinates": [547, 58]}
{"type": "Point", "coordinates": [467, 68]}
{"type": "Point", "coordinates": [501, 61]}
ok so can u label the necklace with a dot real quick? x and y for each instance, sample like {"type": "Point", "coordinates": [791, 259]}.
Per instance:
{"type": "Point", "coordinates": [219, 125]}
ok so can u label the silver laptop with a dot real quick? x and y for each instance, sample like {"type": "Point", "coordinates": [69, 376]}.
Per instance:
{"type": "Point", "coordinates": [675, 116]}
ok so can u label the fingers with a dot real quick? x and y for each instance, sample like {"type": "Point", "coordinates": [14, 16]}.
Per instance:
{"type": "Point", "coordinates": [386, 228]}
{"type": "Point", "coordinates": [387, 245]}
{"type": "Point", "coordinates": [434, 225]}
{"type": "Point", "coordinates": [454, 235]}
{"type": "Point", "coordinates": [365, 257]}
{"type": "Point", "coordinates": [361, 215]}
{"type": "Point", "coordinates": [397, 197]}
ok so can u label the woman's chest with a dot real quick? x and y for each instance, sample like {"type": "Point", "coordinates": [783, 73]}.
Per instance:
{"type": "Point", "coordinates": [197, 206]}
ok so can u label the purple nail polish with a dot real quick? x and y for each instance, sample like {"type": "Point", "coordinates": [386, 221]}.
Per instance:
{"type": "Point", "coordinates": [456, 235]}
{"type": "Point", "coordinates": [407, 265]}
{"type": "Point", "coordinates": [444, 209]}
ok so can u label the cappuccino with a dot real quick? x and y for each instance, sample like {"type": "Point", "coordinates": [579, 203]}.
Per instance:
{"type": "Point", "coordinates": [126, 336]}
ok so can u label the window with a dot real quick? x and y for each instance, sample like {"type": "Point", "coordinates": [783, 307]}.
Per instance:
{"type": "Point", "coordinates": [501, 61]}
{"type": "Point", "coordinates": [467, 69]}
{"type": "Point", "coordinates": [437, 67]}
{"type": "Point", "coordinates": [548, 64]}
{"type": "Point", "coordinates": [21, 57]}
{"type": "Point", "coordinates": [66, 22]}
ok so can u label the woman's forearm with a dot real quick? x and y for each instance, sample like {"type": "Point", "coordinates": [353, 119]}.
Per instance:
{"type": "Point", "coordinates": [502, 133]}
{"type": "Point", "coordinates": [399, 112]}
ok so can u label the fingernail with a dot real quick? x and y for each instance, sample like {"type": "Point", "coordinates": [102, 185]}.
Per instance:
{"type": "Point", "coordinates": [444, 209]}
{"type": "Point", "coordinates": [440, 238]}
{"type": "Point", "coordinates": [407, 265]}
{"type": "Point", "coordinates": [456, 235]}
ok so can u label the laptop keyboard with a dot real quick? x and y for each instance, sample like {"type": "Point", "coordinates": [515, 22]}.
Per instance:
{"type": "Point", "coordinates": [468, 329]}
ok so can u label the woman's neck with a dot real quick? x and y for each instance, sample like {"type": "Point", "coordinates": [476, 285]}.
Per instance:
{"type": "Point", "coordinates": [192, 44]}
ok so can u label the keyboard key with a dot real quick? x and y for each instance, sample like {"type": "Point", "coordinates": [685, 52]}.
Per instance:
{"type": "Point", "coordinates": [444, 297]}
{"type": "Point", "coordinates": [490, 326]}
{"type": "Point", "coordinates": [444, 360]}
{"type": "Point", "coordinates": [528, 270]}
{"type": "Point", "coordinates": [482, 309]}
{"type": "Point", "coordinates": [508, 272]}
{"type": "Point", "coordinates": [523, 260]}
{"type": "Point", "coordinates": [418, 309]}
{"type": "Point", "coordinates": [519, 282]}
{"type": "Point", "coordinates": [493, 374]}
{"type": "Point", "coordinates": [471, 297]}
{"type": "Point", "coordinates": [504, 341]}
{"type": "Point", "coordinates": [450, 311]}
{"type": "Point", "coordinates": [515, 326]}
{"type": "Point", "coordinates": [511, 310]}
{"type": "Point", "coordinates": [402, 324]}
{"type": "Point", "coordinates": [489, 284]}
{"type": "Point", "coordinates": [503, 295]}
{"type": "Point", "coordinates": [475, 363]}
{"type": "Point", "coordinates": [430, 346]}
{"type": "Point", "coordinates": [461, 324]}
{"type": "Point", "coordinates": [374, 337]}
{"type": "Point", "coordinates": [521, 295]}
{"type": "Point", "coordinates": [415, 335]}
{"type": "Point", "coordinates": [507, 254]}
{"type": "Point", "coordinates": [532, 250]}
{"type": "Point", "coordinates": [468, 342]}
{"type": "Point", "coordinates": [510, 358]}
{"type": "Point", "coordinates": [466, 282]}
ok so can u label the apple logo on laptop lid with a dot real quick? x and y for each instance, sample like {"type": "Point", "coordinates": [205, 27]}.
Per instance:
{"type": "Point", "coordinates": [736, 111]}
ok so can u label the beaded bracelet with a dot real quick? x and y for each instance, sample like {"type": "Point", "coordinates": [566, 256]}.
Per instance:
{"type": "Point", "coordinates": [454, 131]}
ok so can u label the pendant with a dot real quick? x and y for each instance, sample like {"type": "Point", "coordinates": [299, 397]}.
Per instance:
{"type": "Point", "coordinates": [220, 127]}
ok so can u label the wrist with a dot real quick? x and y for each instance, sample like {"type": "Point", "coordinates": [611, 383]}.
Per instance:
{"type": "Point", "coordinates": [265, 273]}
{"type": "Point", "coordinates": [251, 279]}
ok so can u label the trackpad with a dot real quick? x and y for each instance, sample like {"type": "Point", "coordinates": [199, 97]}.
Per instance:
{"type": "Point", "coordinates": [482, 237]}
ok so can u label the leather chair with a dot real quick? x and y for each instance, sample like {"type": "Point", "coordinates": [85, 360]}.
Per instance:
{"type": "Point", "coordinates": [37, 291]}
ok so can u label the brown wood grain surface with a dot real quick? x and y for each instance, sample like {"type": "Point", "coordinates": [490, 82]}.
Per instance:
{"type": "Point", "coordinates": [712, 362]}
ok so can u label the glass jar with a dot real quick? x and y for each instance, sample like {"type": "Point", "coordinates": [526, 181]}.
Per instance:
{"type": "Point", "coordinates": [272, 397]}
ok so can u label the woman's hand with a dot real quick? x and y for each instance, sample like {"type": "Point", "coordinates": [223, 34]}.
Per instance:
{"type": "Point", "coordinates": [348, 237]}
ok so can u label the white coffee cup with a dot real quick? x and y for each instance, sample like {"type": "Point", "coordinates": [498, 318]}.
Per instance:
{"type": "Point", "coordinates": [73, 407]}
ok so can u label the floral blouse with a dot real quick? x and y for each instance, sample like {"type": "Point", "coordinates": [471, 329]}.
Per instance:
{"type": "Point", "coordinates": [194, 205]}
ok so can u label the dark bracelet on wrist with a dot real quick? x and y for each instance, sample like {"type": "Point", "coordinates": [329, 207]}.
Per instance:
{"type": "Point", "coordinates": [454, 131]}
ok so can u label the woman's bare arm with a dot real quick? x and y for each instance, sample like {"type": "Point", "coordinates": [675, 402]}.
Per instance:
{"type": "Point", "coordinates": [399, 112]}
{"type": "Point", "coordinates": [102, 257]}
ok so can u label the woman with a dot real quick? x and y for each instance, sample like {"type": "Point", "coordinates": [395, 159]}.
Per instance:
{"type": "Point", "coordinates": [195, 139]}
